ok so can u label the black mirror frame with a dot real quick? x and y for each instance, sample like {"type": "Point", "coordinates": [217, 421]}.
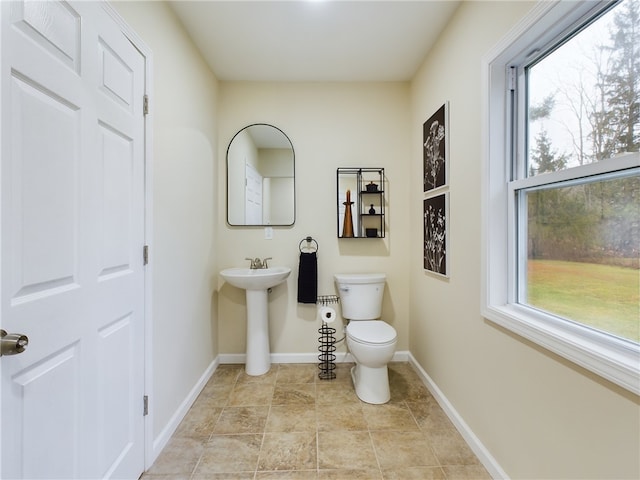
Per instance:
{"type": "Point", "coordinates": [294, 180]}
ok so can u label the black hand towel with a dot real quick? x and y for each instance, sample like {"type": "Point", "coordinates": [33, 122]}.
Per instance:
{"type": "Point", "coordinates": [308, 278]}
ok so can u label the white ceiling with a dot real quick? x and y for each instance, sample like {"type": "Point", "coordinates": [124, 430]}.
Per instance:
{"type": "Point", "coordinates": [304, 40]}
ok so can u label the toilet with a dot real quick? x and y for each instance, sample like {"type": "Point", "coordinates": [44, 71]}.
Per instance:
{"type": "Point", "coordinates": [371, 341]}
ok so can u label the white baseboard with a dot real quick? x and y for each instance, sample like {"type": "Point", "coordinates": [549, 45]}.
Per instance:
{"type": "Point", "coordinates": [341, 357]}
{"type": "Point", "coordinates": [485, 457]}
{"type": "Point", "coordinates": [165, 435]}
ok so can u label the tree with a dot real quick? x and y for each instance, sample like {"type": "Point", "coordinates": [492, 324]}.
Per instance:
{"type": "Point", "coordinates": [552, 228]}
{"type": "Point", "coordinates": [544, 157]}
{"type": "Point", "coordinates": [543, 109]}
{"type": "Point", "coordinates": [594, 221]}
{"type": "Point", "coordinates": [618, 118]}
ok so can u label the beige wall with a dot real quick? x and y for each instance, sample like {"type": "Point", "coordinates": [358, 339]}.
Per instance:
{"type": "Point", "coordinates": [183, 247]}
{"type": "Point", "coordinates": [539, 416]}
{"type": "Point", "coordinates": [330, 126]}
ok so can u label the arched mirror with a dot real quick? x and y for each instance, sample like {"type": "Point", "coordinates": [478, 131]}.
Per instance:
{"type": "Point", "coordinates": [260, 177]}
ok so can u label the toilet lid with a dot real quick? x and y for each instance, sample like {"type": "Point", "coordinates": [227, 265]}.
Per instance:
{"type": "Point", "coordinates": [371, 331]}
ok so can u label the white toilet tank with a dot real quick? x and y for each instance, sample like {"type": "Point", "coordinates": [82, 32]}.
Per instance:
{"type": "Point", "coordinates": [361, 294]}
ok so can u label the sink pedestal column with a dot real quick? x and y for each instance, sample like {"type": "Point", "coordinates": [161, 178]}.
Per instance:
{"type": "Point", "coordinates": [258, 359]}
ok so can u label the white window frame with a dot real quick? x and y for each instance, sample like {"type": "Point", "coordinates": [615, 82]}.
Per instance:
{"type": "Point", "coordinates": [612, 358]}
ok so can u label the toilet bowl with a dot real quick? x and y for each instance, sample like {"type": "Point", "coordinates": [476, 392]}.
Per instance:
{"type": "Point", "coordinates": [370, 341]}
{"type": "Point", "coordinates": [372, 344]}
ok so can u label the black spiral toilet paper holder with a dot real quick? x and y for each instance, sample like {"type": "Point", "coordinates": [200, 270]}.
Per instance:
{"type": "Point", "coordinates": [327, 339]}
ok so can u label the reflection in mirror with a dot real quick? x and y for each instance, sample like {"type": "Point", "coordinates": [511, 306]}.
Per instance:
{"type": "Point", "coordinates": [260, 177]}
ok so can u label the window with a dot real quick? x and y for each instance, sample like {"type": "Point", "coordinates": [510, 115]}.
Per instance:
{"type": "Point", "coordinates": [562, 186]}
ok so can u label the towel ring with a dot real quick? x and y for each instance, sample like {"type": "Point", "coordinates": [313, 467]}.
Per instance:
{"type": "Point", "coordinates": [308, 246]}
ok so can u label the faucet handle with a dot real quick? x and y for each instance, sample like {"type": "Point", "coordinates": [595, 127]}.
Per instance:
{"type": "Point", "coordinates": [253, 264]}
{"type": "Point", "coordinates": [264, 262]}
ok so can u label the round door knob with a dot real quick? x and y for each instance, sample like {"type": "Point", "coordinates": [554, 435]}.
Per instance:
{"type": "Point", "coordinates": [12, 343]}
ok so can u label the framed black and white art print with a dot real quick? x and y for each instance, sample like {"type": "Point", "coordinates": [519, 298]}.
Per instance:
{"type": "Point", "coordinates": [435, 151]}
{"type": "Point", "coordinates": [436, 212]}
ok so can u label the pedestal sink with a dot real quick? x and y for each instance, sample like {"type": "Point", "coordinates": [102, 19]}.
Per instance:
{"type": "Point", "coordinates": [256, 282]}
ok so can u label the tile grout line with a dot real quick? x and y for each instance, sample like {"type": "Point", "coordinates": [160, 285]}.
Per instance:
{"type": "Point", "coordinates": [317, 435]}
{"type": "Point", "coordinates": [375, 451]}
{"type": "Point", "coordinates": [264, 428]}
{"type": "Point", "coordinates": [289, 376]}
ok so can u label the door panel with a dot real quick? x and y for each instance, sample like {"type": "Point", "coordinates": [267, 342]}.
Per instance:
{"type": "Point", "coordinates": [117, 77]}
{"type": "Point", "coordinates": [253, 196]}
{"type": "Point", "coordinates": [72, 224]}
{"type": "Point", "coordinates": [59, 411]}
{"type": "Point", "coordinates": [117, 181]}
{"type": "Point", "coordinates": [116, 408]}
{"type": "Point", "coordinates": [54, 26]}
{"type": "Point", "coordinates": [44, 190]}
{"type": "Point", "coordinates": [119, 218]}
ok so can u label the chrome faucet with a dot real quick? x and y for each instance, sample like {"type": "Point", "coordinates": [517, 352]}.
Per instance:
{"type": "Point", "coordinates": [256, 263]}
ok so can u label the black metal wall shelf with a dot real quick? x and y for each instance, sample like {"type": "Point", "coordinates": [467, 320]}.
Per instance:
{"type": "Point", "coordinates": [360, 202]}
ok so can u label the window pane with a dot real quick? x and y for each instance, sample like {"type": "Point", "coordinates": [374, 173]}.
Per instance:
{"type": "Point", "coordinates": [584, 97]}
{"type": "Point", "coordinates": [583, 259]}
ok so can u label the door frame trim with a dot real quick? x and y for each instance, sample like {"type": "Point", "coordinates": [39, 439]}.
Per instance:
{"type": "Point", "coordinates": [149, 453]}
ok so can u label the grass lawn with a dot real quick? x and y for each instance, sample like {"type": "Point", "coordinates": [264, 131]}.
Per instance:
{"type": "Point", "coordinates": [601, 296]}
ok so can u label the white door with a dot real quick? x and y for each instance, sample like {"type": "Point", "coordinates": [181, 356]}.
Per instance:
{"type": "Point", "coordinates": [253, 196]}
{"type": "Point", "coordinates": [72, 211]}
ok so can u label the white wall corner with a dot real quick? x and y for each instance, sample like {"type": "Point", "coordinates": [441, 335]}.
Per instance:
{"type": "Point", "coordinates": [164, 436]}
{"type": "Point", "coordinates": [483, 454]}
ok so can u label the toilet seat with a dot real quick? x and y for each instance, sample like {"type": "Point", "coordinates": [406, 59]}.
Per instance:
{"type": "Point", "coordinates": [371, 332]}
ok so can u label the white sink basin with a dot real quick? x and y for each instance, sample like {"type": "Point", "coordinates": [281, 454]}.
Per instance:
{"type": "Point", "coordinates": [255, 278]}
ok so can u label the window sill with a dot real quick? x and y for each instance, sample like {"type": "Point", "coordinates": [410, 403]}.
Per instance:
{"type": "Point", "coordinates": [612, 358]}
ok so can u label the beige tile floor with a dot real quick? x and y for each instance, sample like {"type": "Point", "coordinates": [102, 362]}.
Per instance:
{"type": "Point", "coordinates": [289, 424]}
